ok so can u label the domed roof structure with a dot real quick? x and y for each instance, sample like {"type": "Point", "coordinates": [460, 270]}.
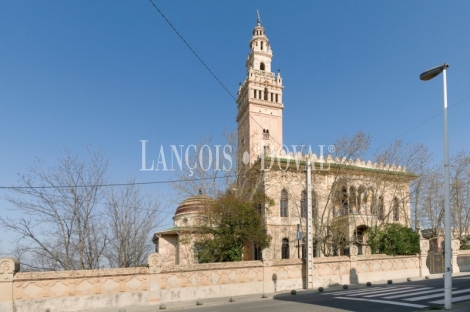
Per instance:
{"type": "Point", "coordinates": [193, 204]}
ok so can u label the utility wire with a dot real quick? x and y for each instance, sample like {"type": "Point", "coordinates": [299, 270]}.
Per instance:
{"type": "Point", "coordinates": [113, 184]}
{"type": "Point", "coordinates": [207, 67]}
{"type": "Point", "coordinates": [422, 123]}
{"type": "Point", "coordinates": [189, 47]}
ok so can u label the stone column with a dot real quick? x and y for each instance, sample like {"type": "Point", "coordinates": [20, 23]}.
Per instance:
{"type": "Point", "coordinates": [423, 254]}
{"type": "Point", "coordinates": [8, 268]}
{"type": "Point", "coordinates": [269, 279]}
{"type": "Point", "coordinates": [455, 245]}
{"type": "Point", "coordinates": [155, 268]}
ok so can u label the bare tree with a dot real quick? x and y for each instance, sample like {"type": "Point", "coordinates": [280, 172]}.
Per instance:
{"type": "Point", "coordinates": [417, 159]}
{"type": "Point", "coordinates": [69, 219]}
{"type": "Point", "coordinates": [211, 168]}
{"type": "Point", "coordinates": [59, 223]}
{"type": "Point", "coordinates": [432, 205]}
{"type": "Point", "coordinates": [131, 217]}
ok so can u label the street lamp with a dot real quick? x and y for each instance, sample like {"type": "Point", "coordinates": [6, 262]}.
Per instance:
{"type": "Point", "coordinates": [428, 75]}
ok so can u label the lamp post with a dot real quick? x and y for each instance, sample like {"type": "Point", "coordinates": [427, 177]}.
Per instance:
{"type": "Point", "coordinates": [428, 75]}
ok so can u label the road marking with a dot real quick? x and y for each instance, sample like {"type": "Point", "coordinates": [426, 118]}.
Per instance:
{"type": "Point", "coordinates": [438, 295]}
{"type": "Point", "coordinates": [366, 290]}
{"type": "Point", "coordinates": [415, 293]}
{"type": "Point", "coordinates": [420, 306]}
{"type": "Point", "coordinates": [456, 299]}
{"type": "Point", "coordinates": [395, 292]}
{"type": "Point", "coordinates": [377, 293]}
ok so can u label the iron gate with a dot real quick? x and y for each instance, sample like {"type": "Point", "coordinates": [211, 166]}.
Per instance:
{"type": "Point", "coordinates": [435, 262]}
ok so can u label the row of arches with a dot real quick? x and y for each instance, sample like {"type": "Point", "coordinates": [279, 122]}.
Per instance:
{"type": "Point", "coordinates": [348, 201]}
{"type": "Point", "coordinates": [362, 200]}
{"type": "Point", "coordinates": [265, 95]}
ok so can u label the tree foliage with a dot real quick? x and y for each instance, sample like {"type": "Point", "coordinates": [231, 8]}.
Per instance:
{"type": "Point", "coordinates": [230, 223]}
{"type": "Point", "coordinates": [394, 239]}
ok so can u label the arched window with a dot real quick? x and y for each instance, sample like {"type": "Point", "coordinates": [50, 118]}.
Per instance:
{"type": "Point", "coordinates": [303, 204]}
{"type": "Point", "coordinates": [373, 203]}
{"type": "Point", "coordinates": [262, 45]}
{"type": "Point", "coordinates": [265, 94]}
{"type": "Point", "coordinates": [352, 199]}
{"type": "Point", "coordinates": [285, 248]}
{"type": "Point", "coordinates": [197, 250]}
{"type": "Point", "coordinates": [284, 204]}
{"type": "Point", "coordinates": [380, 212]}
{"type": "Point", "coordinates": [396, 210]}
{"type": "Point", "coordinates": [344, 201]}
{"type": "Point", "coordinates": [314, 205]}
{"type": "Point", "coordinates": [261, 66]}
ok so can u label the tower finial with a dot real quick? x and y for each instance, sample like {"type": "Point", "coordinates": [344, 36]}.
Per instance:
{"type": "Point", "coordinates": [259, 19]}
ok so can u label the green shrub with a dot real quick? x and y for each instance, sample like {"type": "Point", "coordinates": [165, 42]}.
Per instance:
{"type": "Point", "coordinates": [394, 240]}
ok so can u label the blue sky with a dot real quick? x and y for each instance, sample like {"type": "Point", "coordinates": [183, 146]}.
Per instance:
{"type": "Point", "coordinates": [113, 73]}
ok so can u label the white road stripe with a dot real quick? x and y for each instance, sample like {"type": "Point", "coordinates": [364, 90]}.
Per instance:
{"type": "Point", "coordinates": [456, 299]}
{"type": "Point", "coordinates": [415, 293]}
{"type": "Point", "coordinates": [386, 302]}
{"type": "Point", "coordinates": [356, 291]}
{"type": "Point", "coordinates": [395, 292]}
{"type": "Point", "coordinates": [438, 295]}
{"type": "Point", "coordinates": [386, 291]}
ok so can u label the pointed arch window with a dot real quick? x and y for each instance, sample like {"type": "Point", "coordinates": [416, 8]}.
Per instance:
{"type": "Point", "coordinates": [314, 205]}
{"type": "Point", "coordinates": [396, 210]}
{"type": "Point", "coordinates": [285, 249]}
{"type": "Point", "coordinates": [284, 204]}
{"type": "Point", "coordinates": [380, 212]}
{"type": "Point", "coordinates": [197, 251]}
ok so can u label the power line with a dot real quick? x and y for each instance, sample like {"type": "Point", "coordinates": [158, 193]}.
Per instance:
{"type": "Point", "coordinates": [422, 123]}
{"type": "Point", "coordinates": [113, 184]}
{"type": "Point", "coordinates": [223, 86]}
{"type": "Point", "coordinates": [189, 47]}
{"type": "Point", "coordinates": [207, 67]}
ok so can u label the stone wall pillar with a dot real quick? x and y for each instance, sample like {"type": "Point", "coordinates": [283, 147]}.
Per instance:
{"type": "Point", "coordinates": [155, 268]}
{"type": "Point", "coordinates": [8, 268]}
{"type": "Point", "coordinates": [269, 279]}
{"type": "Point", "coordinates": [353, 252]}
{"type": "Point", "coordinates": [455, 245]}
{"type": "Point", "coordinates": [423, 254]}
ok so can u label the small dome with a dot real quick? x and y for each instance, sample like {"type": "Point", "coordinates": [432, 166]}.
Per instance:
{"type": "Point", "coordinates": [193, 204]}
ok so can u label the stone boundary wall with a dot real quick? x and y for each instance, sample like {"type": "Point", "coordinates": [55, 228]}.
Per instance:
{"type": "Point", "coordinates": [76, 290]}
{"type": "Point", "coordinates": [115, 288]}
{"type": "Point", "coordinates": [463, 260]}
{"type": "Point", "coordinates": [201, 281]}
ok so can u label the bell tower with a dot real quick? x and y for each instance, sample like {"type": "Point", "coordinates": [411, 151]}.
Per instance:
{"type": "Point", "coordinates": [259, 101]}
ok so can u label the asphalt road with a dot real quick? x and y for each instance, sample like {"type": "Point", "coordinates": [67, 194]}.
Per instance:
{"type": "Point", "coordinates": [404, 297]}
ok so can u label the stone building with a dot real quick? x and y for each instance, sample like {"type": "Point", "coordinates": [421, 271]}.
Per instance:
{"type": "Point", "coordinates": [348, 195]}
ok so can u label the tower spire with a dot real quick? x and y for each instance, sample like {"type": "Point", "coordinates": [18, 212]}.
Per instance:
{"type": "Point", "coordinates": [259, 19]}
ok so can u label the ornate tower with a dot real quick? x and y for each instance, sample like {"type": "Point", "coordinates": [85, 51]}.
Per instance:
{"type": "Point", "coordinates": [259, 101]}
